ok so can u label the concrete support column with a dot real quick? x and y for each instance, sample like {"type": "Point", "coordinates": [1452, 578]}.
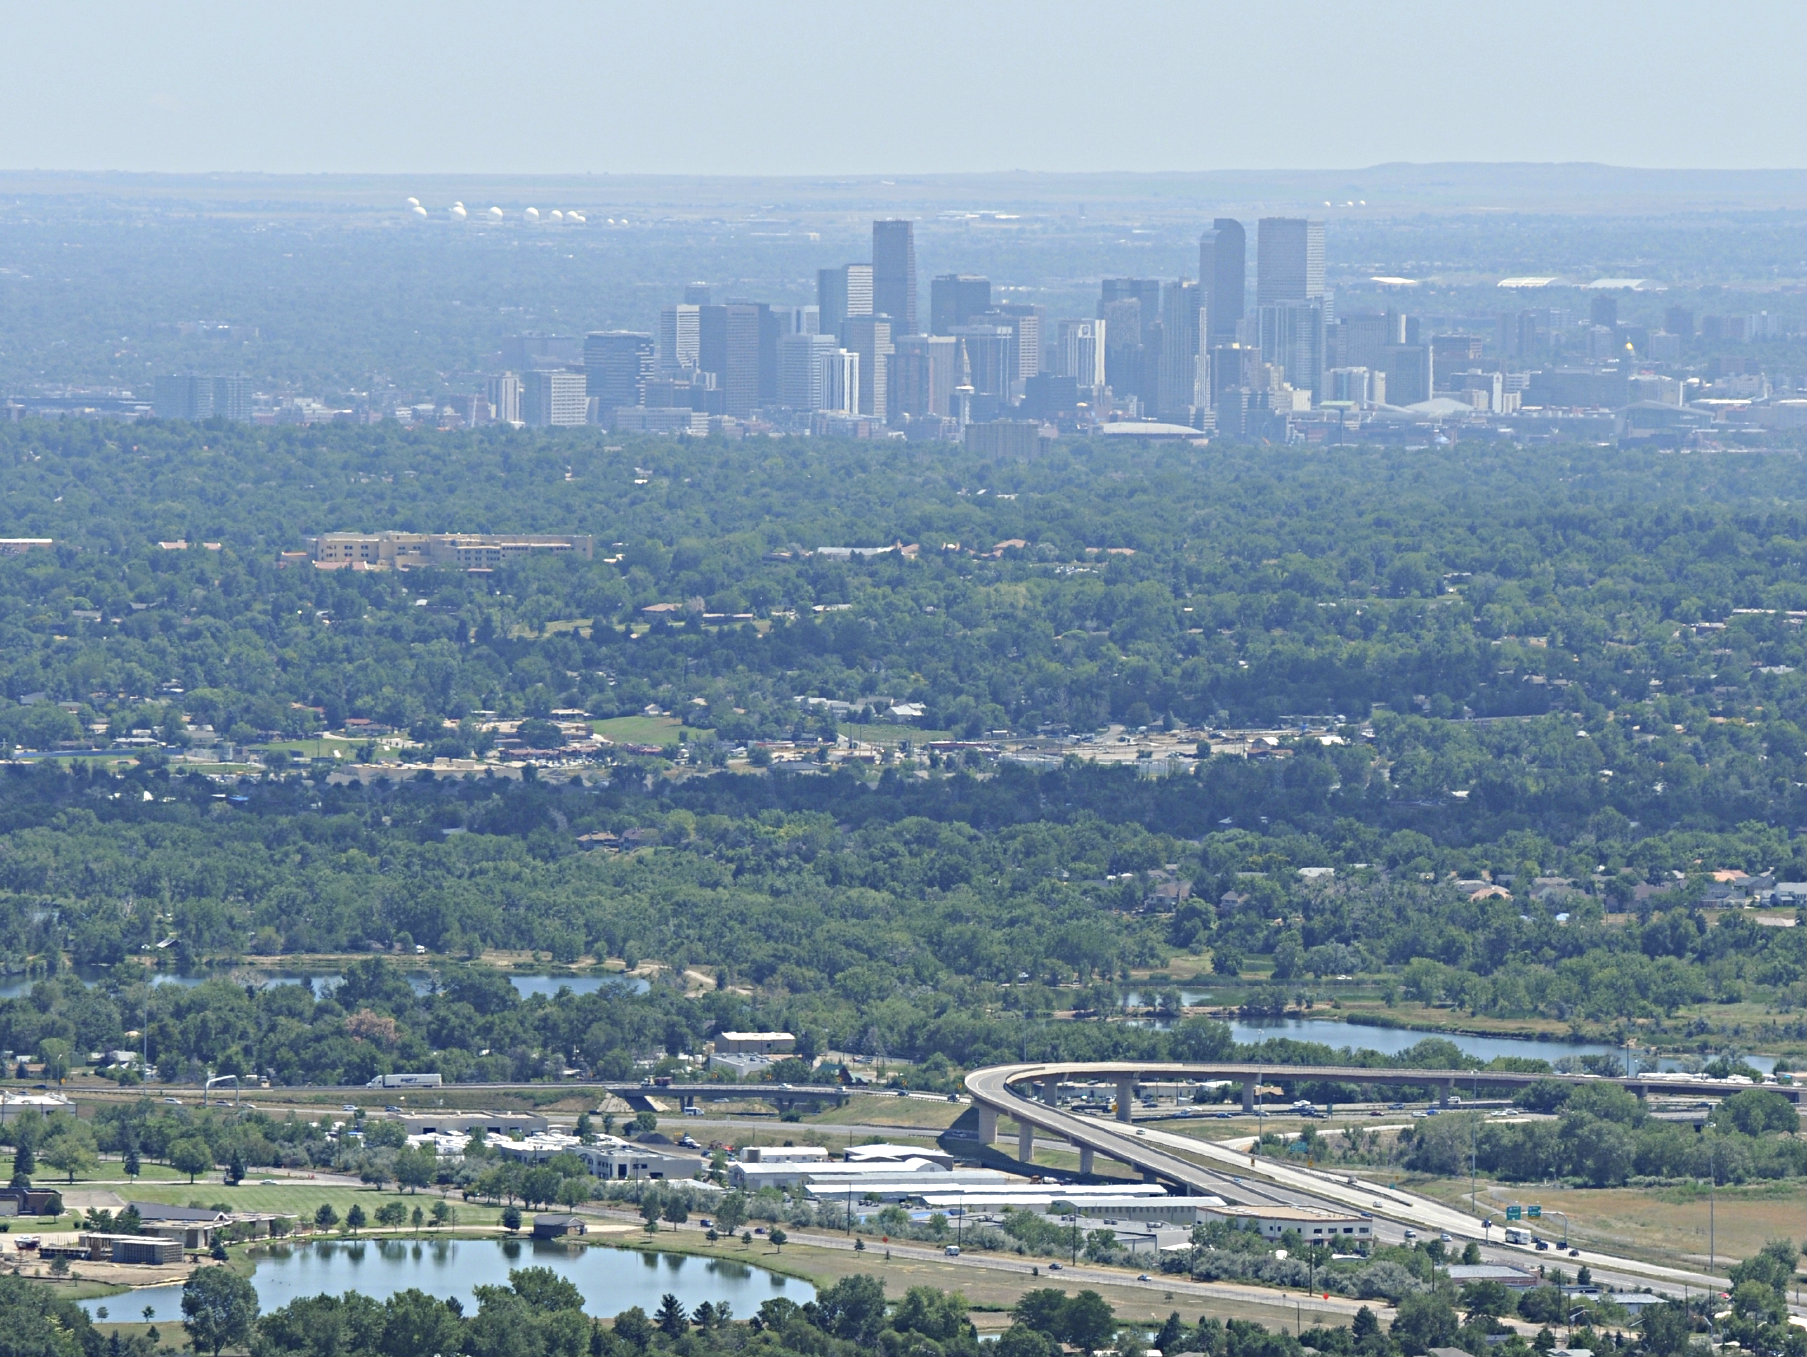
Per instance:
{"type": "Point", "coordinates": [988, 1124]}
{"type": "Point", "coordinates": [1085, 1161]}
{"type": "Point", "coordinates": [1248, 1097]}
{"type": "Point", "coordinates": [1051, 1092]}
{"type": "Point", "coordinates": [1449, 1091]}
{"type": "Point", "coordinates": [1025, 1141]}
{"type": "Point", "coordinates": [1126, 1095]}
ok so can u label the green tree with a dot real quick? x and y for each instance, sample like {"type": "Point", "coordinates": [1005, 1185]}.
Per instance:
{"type": "Point", "coordinates": [1424, 1321]}
{"type": "Point", "coordinates": [190, 1155]}
{"type": "Point", "coordinates": [218, 1308]}
{"type": "Point", "coordinates": [355, 1219]}
{"type": "Point", "coordinates": [71, 1150]}
{"type": "Point", "coordinates": [673, 1320]}
{"type": "Point", "coordinates": [853, 1309]}
{"type": "Point", "coordinates": [325, 1217]}
{"type": "Point", "coordinates": [392, 1215]}
{"type": "Point", "coordinates": [731, 1212]}
{"type": "Point", "coordinates": [511, 1218]}
{"type": "Point", "coordinates": [779, 1238]}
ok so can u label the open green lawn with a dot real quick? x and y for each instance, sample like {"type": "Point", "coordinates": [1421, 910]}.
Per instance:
{"type": "Point", "coordinates": [306, 1198]}
{"type": "Point", "coordinates": [660, 730]}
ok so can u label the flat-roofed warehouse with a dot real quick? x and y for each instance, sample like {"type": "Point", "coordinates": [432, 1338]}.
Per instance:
{"type": "Point", "coordinates": [445, 550]}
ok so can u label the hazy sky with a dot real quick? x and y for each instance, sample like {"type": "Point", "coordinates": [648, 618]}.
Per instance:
{"type": "Point", "coordinates": [805, 87]}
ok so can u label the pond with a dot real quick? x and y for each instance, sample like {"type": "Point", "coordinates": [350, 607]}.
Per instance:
{"type": "Point", "coordinates": [612, 1280]}
{"type": "Point", "coordinates": [1393, 1040]}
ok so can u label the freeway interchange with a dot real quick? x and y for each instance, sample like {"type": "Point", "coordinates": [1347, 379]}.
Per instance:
{"type": "Point", "coordinates": [1029, 1094]}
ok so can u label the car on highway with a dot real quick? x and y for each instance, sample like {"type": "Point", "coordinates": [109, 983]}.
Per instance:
{"type": "Point", "coordinates": [1446, 1236]}
{"type": "Point", "coordinates": [1143, 1277]}
{"type": "Point", "coordinates": [1055, 1267]}
{"type": "Point", "coordinates": [176, 1101]}
{"type": "Point", "coordinates": [1411, 1234]}
{"type": "Point", "coordinates": [1574, 1253]}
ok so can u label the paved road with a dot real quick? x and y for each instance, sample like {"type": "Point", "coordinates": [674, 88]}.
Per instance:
{"type": "Point", "coordinates": [1177, 1159]}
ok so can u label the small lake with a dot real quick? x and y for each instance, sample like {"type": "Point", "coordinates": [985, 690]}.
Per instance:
{"type": "Point", "coordinates": [612, 1280]}
{"type": "Point", "coordinates": [1393, 1040]}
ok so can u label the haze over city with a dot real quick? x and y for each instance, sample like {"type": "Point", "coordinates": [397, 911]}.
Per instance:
{"type": "Point", "coordinates": [931, 680]}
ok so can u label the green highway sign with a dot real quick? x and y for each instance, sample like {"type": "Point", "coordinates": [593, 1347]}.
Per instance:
{"type": "Point", "coordinates": [1514, 1212]}
{"type": "Point", "coordinates": [1534, 1211]}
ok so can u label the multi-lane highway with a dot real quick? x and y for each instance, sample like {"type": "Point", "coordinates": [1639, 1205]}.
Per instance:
{"type": "Point", "coordinates": [1199, 1166]}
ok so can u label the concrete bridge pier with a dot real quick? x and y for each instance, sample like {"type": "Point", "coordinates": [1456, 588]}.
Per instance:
{"type": "Point", "coordinates": [1248, 1097]}
{"type": "Point", "coordinates": [1051, 1092]}
{"type": "Point", "coordinates": [1085, 1161]}
{"type": "Point", "coordinates": [1449, 1092]}
{"type": "Point", "coordinates": [988, 1124]}
{"type": "Point", "coordinates": [1126, 1095]}
{"type": "Point", "coordinates": [1025, 1142]}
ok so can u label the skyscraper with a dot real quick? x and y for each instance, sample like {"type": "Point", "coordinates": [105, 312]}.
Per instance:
{"type": "Point", "coordinates": [555, 398]}
{"type": "Point", "coordinates": [923, 373]}
{"type": "Point", "coordinates": [894, 274]}
{"type": "Point", "coordinates": [840, 293]}
{"type": "Point", "coordinates": [1179, 351]}
{"type": "Point", "coordinates": [1222, 259]}
{"type": "Point", "coordinates": [841, 382]}
{"type": "Point", "coordinates": [1292, 336]}
{"type": "Point", "coordinates": [696, 294]}
{"type": "Point", "coordinates": [504, 395]}
{"type": "Point", "coordinates": [183, 397]}
{"type": "Point", "coordinates": [232, 397]}
{"type": "Point", "coordinates": [617, 364]}
{"type": "Point", "coordinates": [1131, 310]}
{"type": "Point", "coordinates": [801, 371]}
{"type": "Point", "coordinates": [870, 337]}
{"type": "Point", "coordinates": [678, 339]}
{"type": "Point", "coordinates": [1289, 264]}
{"type": "Point", "coordinates": [1026, 319]}
{"type": "Point", "coordinates": [1082, 351]}
{"type": "Point", "coordinates": [728, 343]}
{"type": "Point", "coordinates": [955, 298]}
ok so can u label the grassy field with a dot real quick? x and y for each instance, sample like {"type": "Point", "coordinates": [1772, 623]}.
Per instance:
{"type": "Point", "coordinates": [991, 1292]}
{"type": "Point", "coordinates": [659, 730]}
{"type": "Point", "coordinates": [1662, 1224]}
{"type": "Point", "coordinates": [876, 1110]}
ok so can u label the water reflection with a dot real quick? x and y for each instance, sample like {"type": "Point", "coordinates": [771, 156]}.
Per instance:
{"type": "Point", "coordinates": [610, 1279]}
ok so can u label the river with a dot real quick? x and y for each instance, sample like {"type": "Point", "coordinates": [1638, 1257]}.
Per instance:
{"type": "Point", "coordinates": [611, 1279]}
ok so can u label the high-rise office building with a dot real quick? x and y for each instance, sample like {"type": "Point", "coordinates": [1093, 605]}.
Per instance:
{"type": "Point", "coordinates": [1289, 264]}
{"type": "Point", "coordinates": [1222, 261]}
{"type": "Point", "coordinates": [617, 365]}
{"type": "Point", "coordinates": [1603, 309]}
{"type": "Point", "coordinates": [924, 371]}
{"type": "Point", "coordinates": [728, 345]}
{"type": "Point", "coordinates": [1679, 321]}
{"type": "Point", "coordinates": [1179, 370]}
{"type": "Point", "coordinates": [894, 274]}
{"type": "Point", "coordinates": [555, 398]}
{"type": "Point", "coordinates": [801, 370]}
{"type": "Point", "coordinates": [232, 397]}
{"type": "Point", "coordinates": [989, 359]}
{"type": "Point", "coordinates": [696, 294]}
{"type": "Point", "coordinates": [184, 396]}
{"type": "Point", "coordinates": [678, 339]}
{"type": "Point", "coordinates": [1359, 341]}
{"type": "Point", "coordinates": [840, 379]}
{"type": "Point", "coordinates": [1082, 350]}
{"type": "Point", "coordinates": [1410, 374]}
{"type": "Point", "coordinates": [523, 353]}
{"type": "Point", "coordinates": [1131, 310]}
{"type": "Point", "coordinates": [870, 337]}
{"type": "Point", "coordinates": [504, 395]}
{"type": "Point", "coordinates": [799, 320]}
{"type": "Point", "coordinates": [955, 298]}
{"type": "Point", "coordinates": [1029, 322]}
{"type": "Point", "coordinates": [1291, 336]}
{"type": "Point", "coordinates": [840, 293]}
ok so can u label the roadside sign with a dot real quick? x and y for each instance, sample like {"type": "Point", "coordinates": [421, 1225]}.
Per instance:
{"type": "Point", "coordinates": [1535, 1212]}
{"type": "Point", "coordinates": [1514, 1212]}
